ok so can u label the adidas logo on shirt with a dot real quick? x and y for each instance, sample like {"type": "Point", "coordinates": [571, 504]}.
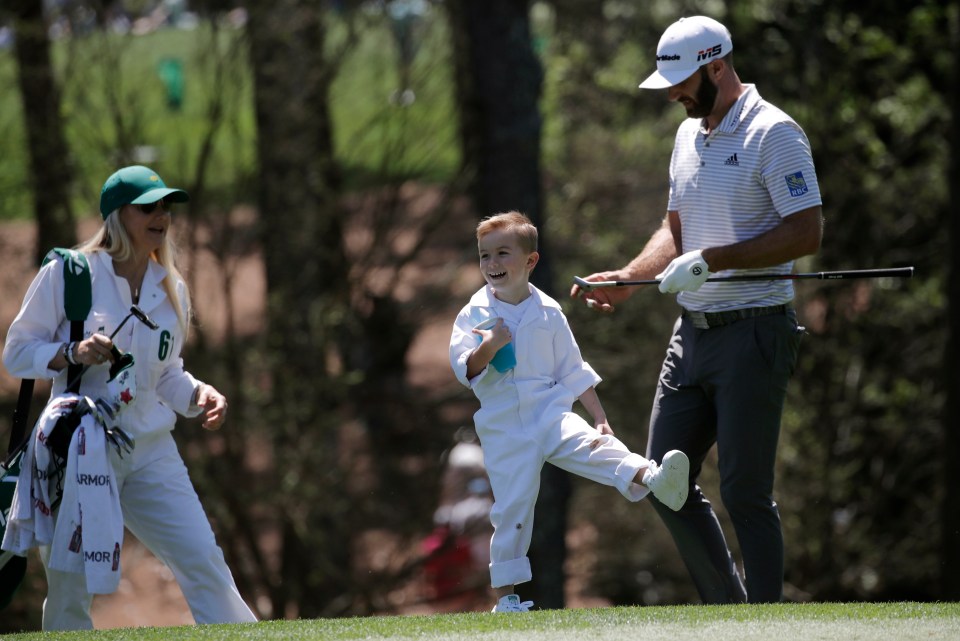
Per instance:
{"type": "Point", "coordinates": [732, 160]}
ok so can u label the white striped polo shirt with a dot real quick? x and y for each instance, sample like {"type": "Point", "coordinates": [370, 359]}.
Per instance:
{"type": "Point", "coordinates": [734, 184]}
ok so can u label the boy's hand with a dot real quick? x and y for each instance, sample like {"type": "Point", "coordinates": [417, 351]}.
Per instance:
{"type": "Point", "coordinates": [498, 335]}
{"type": "Point", "coordinates": [605, 430]}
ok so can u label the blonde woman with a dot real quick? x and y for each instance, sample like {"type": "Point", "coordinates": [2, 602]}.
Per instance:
{"type": "Point", "coordinates": [132, 261]}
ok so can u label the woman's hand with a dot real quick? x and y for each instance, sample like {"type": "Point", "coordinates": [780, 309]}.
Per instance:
{"type": "Point", "coordinates": [95, 350]}
{"type": "Point", "coordinates": [213, 404]}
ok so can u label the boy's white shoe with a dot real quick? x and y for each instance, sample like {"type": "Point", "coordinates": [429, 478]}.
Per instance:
{"type": "Point", "coordinates": [512, 603]}
{"type": "Point", "coordinates": [670, 481]}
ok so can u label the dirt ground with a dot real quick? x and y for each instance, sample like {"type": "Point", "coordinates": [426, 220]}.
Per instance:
{"type": "Point", "coordinates": [148, 594]}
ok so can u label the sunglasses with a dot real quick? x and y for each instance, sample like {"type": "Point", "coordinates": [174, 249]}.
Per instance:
{"type": "Point", "coordinates": [149, 208]}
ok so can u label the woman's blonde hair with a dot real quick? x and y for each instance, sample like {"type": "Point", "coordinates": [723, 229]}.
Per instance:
{"type": "Point", "coordinates": [113, 239]}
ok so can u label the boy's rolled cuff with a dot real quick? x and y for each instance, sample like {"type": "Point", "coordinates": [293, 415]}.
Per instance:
{"type": "Point", "coordinates": [460, 370]}
{"type": "Point", "coordinates": [580, 380]}
{"type": "Point", "coordinates": [626, 472]}
{"type": "Point", "coordinates": [510, 572]}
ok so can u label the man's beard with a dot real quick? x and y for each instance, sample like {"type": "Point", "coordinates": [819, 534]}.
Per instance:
{"type": "Point", "coordinates": [705, 98]}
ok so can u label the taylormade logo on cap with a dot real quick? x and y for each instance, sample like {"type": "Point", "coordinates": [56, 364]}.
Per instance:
{"type": "Point", "coordinates": [684, 47]}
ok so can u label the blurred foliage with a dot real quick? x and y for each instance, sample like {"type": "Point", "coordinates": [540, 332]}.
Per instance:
{"type": "Point", "coordinates": [116, 111]}
{"type": "Point", "coordinates": [860, 453]}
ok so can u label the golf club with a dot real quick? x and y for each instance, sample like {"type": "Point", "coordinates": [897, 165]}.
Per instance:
{"type": "Point", "coordinates": [141, 316]}
{"type": "Point", "coordinates": [117, 354]}
{"type": "Point", "coordinates": [891, 272]}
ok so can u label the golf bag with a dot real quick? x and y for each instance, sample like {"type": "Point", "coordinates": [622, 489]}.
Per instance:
{"type": "Point", "coordinates": [78, 299]}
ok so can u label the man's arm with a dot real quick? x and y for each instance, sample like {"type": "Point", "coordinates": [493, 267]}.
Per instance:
{"type": "Point", "coordinates": [799, 234]}
{"type": "Point", "coordinates": [662, 247]}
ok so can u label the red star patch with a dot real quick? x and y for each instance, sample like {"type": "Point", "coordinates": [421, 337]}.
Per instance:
{"type": "Point", "coordinates": [126, 396]}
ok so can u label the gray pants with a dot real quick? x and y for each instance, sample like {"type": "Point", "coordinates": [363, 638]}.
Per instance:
{"type": "Point", "coordinates": [726, 386]}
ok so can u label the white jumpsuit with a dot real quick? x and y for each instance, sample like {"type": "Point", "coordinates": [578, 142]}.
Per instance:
{"type": "Point", "coordinates": [159, 504]}
{"type": "Point", "coordinates": [526, 419]}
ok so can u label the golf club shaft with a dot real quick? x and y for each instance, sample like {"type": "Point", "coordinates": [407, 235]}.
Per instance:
{"type": "Point", "coordinates": [135, 312]}
{"type": "Point", "coordinates": [891, 272]}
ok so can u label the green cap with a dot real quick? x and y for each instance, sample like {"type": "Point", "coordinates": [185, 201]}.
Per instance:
{"type": "Point", "coordinates": [136, 185]}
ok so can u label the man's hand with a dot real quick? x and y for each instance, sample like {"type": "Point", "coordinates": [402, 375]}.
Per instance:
{"type": "Point", "coordinates": [685, 273]}
{"type": "Point", "coordinates": [602, 299]}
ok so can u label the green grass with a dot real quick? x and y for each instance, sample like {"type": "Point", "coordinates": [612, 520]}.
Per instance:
{"type": "Point", "coordinates": [793, 622]}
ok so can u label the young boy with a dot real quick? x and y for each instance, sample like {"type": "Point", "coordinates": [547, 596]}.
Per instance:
{"type": "Point", "coordinates": [526, 394]}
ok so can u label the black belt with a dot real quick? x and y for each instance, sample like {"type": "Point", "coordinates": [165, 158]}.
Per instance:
{"type": "Point", "coordinates": [706, 320]}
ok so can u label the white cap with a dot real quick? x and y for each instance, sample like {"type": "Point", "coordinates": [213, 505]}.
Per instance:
{"type": "Point", "coordinates": [684, 47]}
{"type": "Point", "coordinates": [466, 455]}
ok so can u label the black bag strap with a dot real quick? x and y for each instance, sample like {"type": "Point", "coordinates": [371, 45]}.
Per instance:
{"type": "Point", "coordinates": [77, 301]}
{"type": "Point", "coordinates": [74, 372]}
{"type": "Point", "coordinates": [20, 417]}
{"type": "Point", "coordinates": [77, 284]}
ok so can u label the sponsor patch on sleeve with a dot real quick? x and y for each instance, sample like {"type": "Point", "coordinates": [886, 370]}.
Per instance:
{"type": "Point", "coordinates": [796, 184]}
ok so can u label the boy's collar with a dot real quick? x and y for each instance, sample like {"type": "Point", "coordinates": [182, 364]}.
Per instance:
{"type": "Point", "coordinates": [485, 298]}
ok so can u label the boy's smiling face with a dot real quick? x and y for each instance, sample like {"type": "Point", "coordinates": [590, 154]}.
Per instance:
{"type": "Point", "coordinates": [506, 266]}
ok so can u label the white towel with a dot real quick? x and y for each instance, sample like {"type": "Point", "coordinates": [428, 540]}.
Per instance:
{"type": "Point", "coordinates": [31, 521]}
{"type": "Point", "coordinates": [87, 532]}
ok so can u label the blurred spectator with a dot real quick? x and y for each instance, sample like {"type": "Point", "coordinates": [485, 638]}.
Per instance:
{"type": "Point", "coordinates": [170, 70]}
{"type": "Point", "coordinates": [457, 552]}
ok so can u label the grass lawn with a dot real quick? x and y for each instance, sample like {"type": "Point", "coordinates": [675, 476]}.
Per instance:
{"type": "Point", "coordinates": [806, 622]}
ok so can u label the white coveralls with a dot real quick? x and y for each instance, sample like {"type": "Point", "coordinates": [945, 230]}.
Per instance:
{"type": "Point", "coordinates": [159, 504]}
{"type": "Point", "coordinates": [526, 418]}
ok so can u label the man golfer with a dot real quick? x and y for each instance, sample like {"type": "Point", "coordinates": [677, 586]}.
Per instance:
{"type": "Point", "coordinates": [743, 199]}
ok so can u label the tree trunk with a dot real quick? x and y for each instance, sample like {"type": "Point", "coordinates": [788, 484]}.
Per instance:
{"type": "Point", "coordinates": [301, 235]}
{"type": "Point", "coordinates": [499, 80]}
{"type": "Point", "coordinates": [50, 174]}
{"type": "Point", "coordinates": [950, 568]}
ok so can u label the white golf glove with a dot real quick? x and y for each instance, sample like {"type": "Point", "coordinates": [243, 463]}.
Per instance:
{"type": "Point", "coordinates": [685, 273]}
